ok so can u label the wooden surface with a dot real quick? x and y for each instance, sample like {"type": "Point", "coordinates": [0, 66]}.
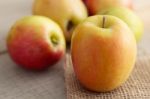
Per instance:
{"type": "Point", "coordinates": [10, 11]}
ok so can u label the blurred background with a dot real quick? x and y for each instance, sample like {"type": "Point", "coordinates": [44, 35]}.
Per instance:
{"type": "Point", "coordinates": [11, 10]}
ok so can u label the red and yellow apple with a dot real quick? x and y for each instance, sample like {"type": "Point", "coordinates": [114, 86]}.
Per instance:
{"type": "Point", "coordinates": [67, 13]}
{"type": "Point", "coordinates": [129, 17]}
{"type": "Point", "coordinates": [103, 52]}
{"type": "Point", "coordinates": [35, 42]}
{"type": "Point", "coordinates": [95, 6]}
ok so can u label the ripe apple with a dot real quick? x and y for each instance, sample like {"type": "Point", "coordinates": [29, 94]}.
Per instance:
{"type": "Point", "coordinates": [103, 51]}
{"type": "Point", "coordinates": [35, 42]}
{"type": "Point", "coordinates": [67, 13]}
{"type": "Point", "coordinates": [95, 6]}
{"type": "Point", "coordinates": [129, 17]}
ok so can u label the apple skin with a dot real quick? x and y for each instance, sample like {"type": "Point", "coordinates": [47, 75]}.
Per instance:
{"type": "Point", "coordinates": [35, 42]}
{"type": "Point", "coordinates": [103, 53]}
{"type": "Point", "coordinates": [95, 6]}
{"type": "Point", "coordinates": [67, 13]}
{"type": "Point", "coordinates": [129, 17]}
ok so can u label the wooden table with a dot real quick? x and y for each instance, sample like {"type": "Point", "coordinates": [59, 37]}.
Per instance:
{"type": "Point", "coordinates": [16, 83]}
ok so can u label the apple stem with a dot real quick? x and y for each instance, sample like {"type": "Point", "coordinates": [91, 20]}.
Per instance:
{"type": "Point", "coordinates": [103, 24]}
{"type": "Point", "coordinates": [70, 25]}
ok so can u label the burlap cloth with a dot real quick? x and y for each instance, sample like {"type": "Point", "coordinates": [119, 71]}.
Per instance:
{"type": "Point", "coordinates": [136, 87]}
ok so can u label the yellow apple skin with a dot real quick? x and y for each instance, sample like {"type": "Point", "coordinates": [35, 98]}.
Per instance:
{"type": "Point", "coordinates": [103, 57]}
{"type": "Point", "coordinates": [63, 12]}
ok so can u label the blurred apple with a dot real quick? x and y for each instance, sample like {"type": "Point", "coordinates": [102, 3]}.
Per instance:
{"type": "Point", "coordinates": [35, 42]}
{"type": "Point", "coordinates": [67, 13]}
{"type": "Point", "coordinates": [95, 6]}
{"type": "Point", "coordinates": [103, 51]}
{"type": "Point", "coordinates": [129, 17]}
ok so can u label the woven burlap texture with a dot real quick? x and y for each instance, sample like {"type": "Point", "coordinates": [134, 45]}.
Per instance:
{"type": "Point", "coordinates": [136, 87]}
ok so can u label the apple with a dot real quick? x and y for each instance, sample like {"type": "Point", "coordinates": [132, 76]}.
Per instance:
{"type": "Point", "coordinates": [35, 42]}
{"type": "Point", "coordinates": [129, 17]}
{"type": "Point", "coordinates": [103, 52]}
{"type": "Point", "coordinates": [67, 13]}
{"type": "Point", "coordinates": [95, 6]}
